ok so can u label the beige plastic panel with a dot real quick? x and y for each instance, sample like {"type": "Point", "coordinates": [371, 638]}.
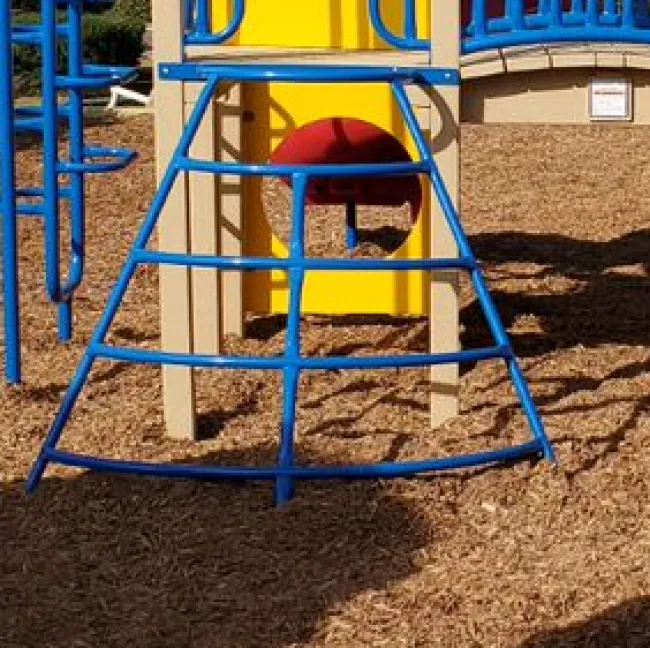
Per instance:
{"type": "Point", "coordinates": [547, 97]}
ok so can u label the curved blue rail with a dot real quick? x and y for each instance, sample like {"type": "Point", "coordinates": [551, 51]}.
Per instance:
{"type": "Point", "coordinates": [491, 24]}
{"type": "Point", "coordinates": [541, 22]}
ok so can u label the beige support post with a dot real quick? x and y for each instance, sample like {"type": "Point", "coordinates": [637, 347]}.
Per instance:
{"type": "Point", "coordinates": [203, 197]}
{"type": "Point", "coordinates": [231, 226]}
{"type": "Point", "coordinates": [445, 137]}
{"type": "Point", "coordinates": [173, 230]}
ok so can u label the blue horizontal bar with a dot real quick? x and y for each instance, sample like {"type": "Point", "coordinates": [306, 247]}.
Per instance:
{"type": "Point", "coordinates": [37, 111]}
{"type": "Point", "coordinates": [314, 170]}
{"type": "Point", "coordinates": [120, 157]}
{"type": "Point", "coordinates": [331, 363]}
{"type": "Point", "coordinates": [30, 210]}
{"type": "Point", "coordinates": [120, 73]}
{"type": "Point", "coordinates": [97, 77]}
{"type": "Point", "coordinates": [382, 470]}
{"type": "Point", "coordinates": [33, 34]}
{"type": "Point", "coordinates": [30, 118]}
{"type": "Point", "coordinates": [38, 192]}
{"type": "Point", "coordinates": [549, 35]}
{"type": "Point", "coordinates": [309, 73]}
{"type": "Point", "coordinates": [271, 263]}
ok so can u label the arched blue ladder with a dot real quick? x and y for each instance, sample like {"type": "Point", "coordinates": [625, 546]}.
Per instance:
{"type": "Point", "coordinates": [45, 120]}
{"type": "Point", "coordinates": [516, 26]}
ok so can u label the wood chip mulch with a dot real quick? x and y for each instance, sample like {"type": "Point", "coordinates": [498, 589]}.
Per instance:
{"type": "Point", "coordinates": [526, 556]}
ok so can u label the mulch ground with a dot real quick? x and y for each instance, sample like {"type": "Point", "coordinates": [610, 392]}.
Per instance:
{"type": "Point", "coordinates": [526, 556]}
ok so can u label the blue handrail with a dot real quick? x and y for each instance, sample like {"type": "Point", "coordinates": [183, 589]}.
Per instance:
{"type": "Point", "coordinates": [524, 22]}
{"type": "Point", "coordinates": [199, 31]}
{"type": "Point", "coordinates": [199, 25]}
{"type": "Point", "coordinates": [409, 40]}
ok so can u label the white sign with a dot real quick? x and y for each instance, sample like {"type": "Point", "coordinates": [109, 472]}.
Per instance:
{"type": "Point", "coordinates": [610, 99]}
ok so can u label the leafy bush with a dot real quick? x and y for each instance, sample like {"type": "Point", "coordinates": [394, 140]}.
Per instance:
{"type": "Point", "coordinates": [109, 38]}
{"type": "Point", "coordinates": [139, 10]}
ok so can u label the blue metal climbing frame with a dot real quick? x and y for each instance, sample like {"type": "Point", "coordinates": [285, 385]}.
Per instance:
{"type": "Point", "coordinates": [479, 33]}
{"type": "Point", "coordinates": [62, 179]}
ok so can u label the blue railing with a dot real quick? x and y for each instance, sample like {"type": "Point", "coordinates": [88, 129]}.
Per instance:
{"type": "Point", "coordinates": [490, 24]}
{"type": "Point", "coordinates": [199, 30]}
{"type": "Point", "coordinates": [493, 25]}
{"type": "Point", "coordinates": [44, 201]}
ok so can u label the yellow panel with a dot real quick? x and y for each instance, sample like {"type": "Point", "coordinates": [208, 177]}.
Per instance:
{"type": "Point", "coordinates": [316, 23]}
{"type": "Point", "coordinates": [274, 112]}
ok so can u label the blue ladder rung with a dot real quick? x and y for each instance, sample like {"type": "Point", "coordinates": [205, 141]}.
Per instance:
{"type": "Point", "coordinates": [116, 159]}
{"type": "Point", "coordinates": [33, 34]}
{"type": "Point", "coordinates": [274, 263]}
{"type": "Point", "coordinates": [380, 470]}
{"type": "Point", "coordinates": [96, 77]}
{"type": "Point", "coordinates": [331, 363]}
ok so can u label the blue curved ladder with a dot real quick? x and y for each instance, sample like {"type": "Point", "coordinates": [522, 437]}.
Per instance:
{"type": "Point", "coordinates": [479, 35]}
{"type": "Point", "coordinates": [45, 120]}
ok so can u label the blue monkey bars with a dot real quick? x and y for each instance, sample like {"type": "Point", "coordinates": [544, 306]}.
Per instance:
{"type": "Point", "coordinates": [293, 363]}
{"type": "Point", "coordinates": [45, 120]}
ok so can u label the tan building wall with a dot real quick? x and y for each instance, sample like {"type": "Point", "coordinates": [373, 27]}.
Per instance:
{"type": "Point", "coordinates": [548, 96]}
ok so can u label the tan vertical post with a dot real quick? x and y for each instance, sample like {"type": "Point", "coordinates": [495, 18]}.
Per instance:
{"type": "Point", "coordinates": [231, 226]}
{"type": "Point", "coordinates": [203, 199]}
{"type": "Point", "coordinates": [173, 230]}
{"type": "Point", "coordinates": [445, 134]}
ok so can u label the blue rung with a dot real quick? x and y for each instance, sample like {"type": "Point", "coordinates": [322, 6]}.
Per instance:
{"type": "Point", "coordinates": [380, 470]}
{"type": "Point", "coordinates": [328, 363]}
{"type": "Point", "coordinates": [293, 362]}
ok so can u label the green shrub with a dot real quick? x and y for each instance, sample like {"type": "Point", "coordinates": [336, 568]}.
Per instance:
{"type": "Point", "coordinates": [134, 9]}
{"type": "Point", "coordinates": [109, 38]}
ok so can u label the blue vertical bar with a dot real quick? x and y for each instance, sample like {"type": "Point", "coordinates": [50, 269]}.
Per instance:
{"type": "Point", "coordinates": [8, 205]}
{"type": "Point", "coordinates": [629, 15]}
{"type": "Point", "coordinates": [577, 9]}
{"type": "Point", "coordinates": [515, 13]}
{"type": "Point", "coordinates": [611, 7]}
{"type": "Point", "coordinates": [50, 148]}
{"type": "Point", "coordinates": [202, 24]}
{"type": "Point", "coordinates": [76, 154]}
{"type": "Point", "coordinates": [556, 13]}
{"type": "Point", "coordinates": [410, 20]}
{"type": "Point", "coordinates": [351, 230]}
{"type": "Point", "coordinates": [479, 17]}
{"type": "Point", "coordinates": [592, 12]}
{"type": "Point", "coordinates": [284, 487]}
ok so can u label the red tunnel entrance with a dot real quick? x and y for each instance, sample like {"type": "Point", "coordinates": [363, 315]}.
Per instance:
{"type": "Point", "coordinates": [346, 140]}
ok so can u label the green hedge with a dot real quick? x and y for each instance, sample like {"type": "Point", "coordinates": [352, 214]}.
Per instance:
{"type": "Point", "coordinates": [109, 38]}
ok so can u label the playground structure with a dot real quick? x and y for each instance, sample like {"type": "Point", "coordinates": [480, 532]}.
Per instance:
{"type": "Point", "coordinates": [62, 179]}
{"type": "Point", "coordinates": [411, 66]}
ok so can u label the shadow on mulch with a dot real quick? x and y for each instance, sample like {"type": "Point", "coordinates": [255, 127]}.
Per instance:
{"type": "Point", "coordinates": [101, 560]}
{"type": "Point", "coordinates": [622, 626]}
{"type": "Point", "coordinates": [613, 307]}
